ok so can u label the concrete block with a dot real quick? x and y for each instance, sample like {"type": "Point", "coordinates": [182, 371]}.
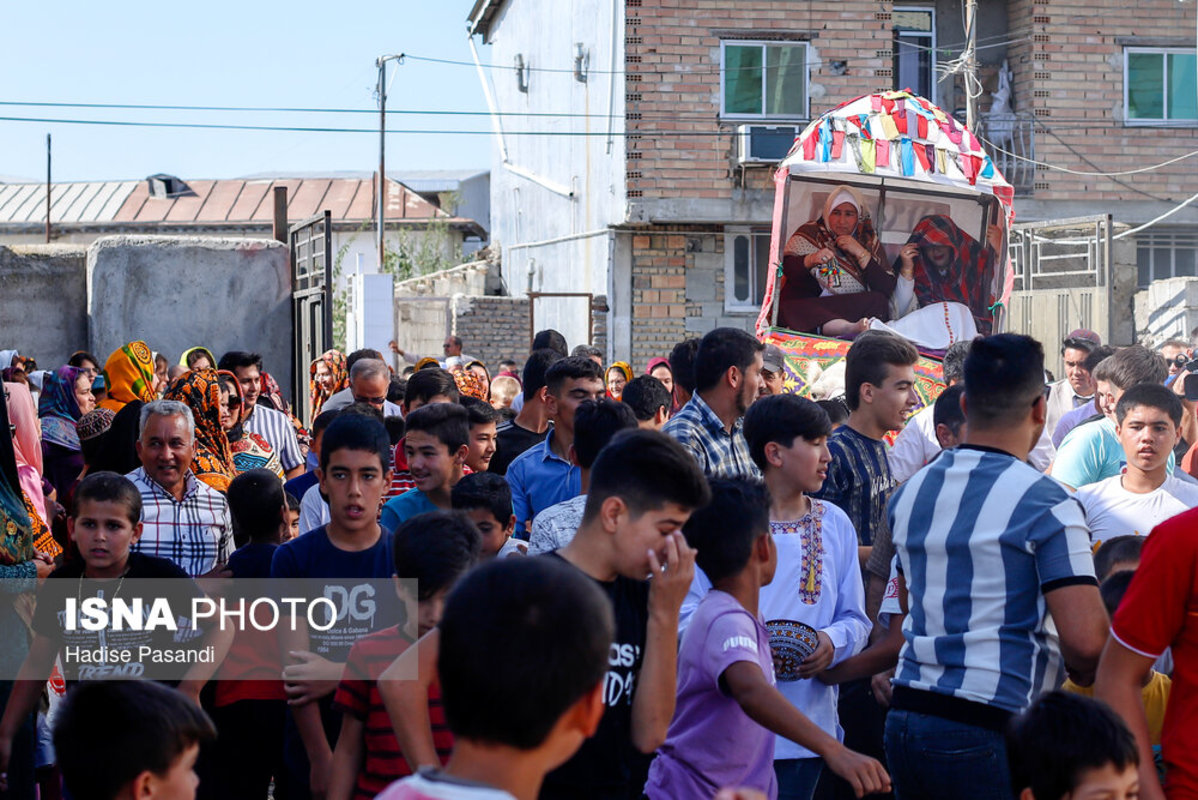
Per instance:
{"type": "Point", "coordinates": [175, 292]}
{"type": "Point", "coordinates": [700, 285]}
{"type": "Point", "coordinates": [43, 305]}
{"type": "Point", "coordinates": [700, 325]}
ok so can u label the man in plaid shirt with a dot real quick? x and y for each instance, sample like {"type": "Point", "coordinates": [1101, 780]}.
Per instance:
{"type": "Point", "coordinates": [727, 380]}
{"type": "Point", "coordinates": [183, 519]}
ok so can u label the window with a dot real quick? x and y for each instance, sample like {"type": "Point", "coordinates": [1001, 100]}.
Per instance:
{"type": "Point", "coordinates": [764, 80]}
{"type": "Point", "coordinates": [915, 51]}
{"type": "Point", "coordinates": [1165, 253]}
{"type": "Point", "coordinates": [1159, 85]}
{"type": "Point", "coordinates": [746, 268]}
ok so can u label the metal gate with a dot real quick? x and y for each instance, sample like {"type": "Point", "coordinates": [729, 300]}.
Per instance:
{"type": "Point", "coordinates": [311, 302]}
{"type": "Point", "coordinates": [1063, 277]}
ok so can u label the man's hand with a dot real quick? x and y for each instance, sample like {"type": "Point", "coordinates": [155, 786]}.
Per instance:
{"type": "Point", "coordinates": [863, 773]}
{"type": "Point", "coordinates": [881, 687]}
{"type": "Point", "coordinates": [820, 660]}
{"type": "Point", "coordinates": [310, 679]}
{"type": "Point", "coordinates": [670, 581]}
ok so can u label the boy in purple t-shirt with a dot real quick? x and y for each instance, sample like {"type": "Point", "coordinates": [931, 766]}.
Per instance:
{"type": "Point", "coordinates": [728, 708]}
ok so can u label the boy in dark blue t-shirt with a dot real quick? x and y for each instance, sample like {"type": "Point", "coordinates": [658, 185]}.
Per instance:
{"type": "Point", "coordinates": [348, 557]}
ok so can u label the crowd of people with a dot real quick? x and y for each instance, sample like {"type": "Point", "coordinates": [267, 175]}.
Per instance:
{"type": "Point", "coordinates": [684, 581]}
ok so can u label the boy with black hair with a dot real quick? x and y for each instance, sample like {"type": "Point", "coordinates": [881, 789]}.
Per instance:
{"type": "Point", "coordinates": [517, 620]}
{"type": "Point", "coordinates": [428, 386]}
{"type": "Point", "coordinates": [916, 443]}
{"type": "Point", "coordinates": [544, 475]}
{"type": "Point", "coordinates": [1092, 452]}
{"type": "Point", "coordinates": [531, 424]}
{"type": "Point", "coordinates": [988, 548]}
{"type": "Point", "coordinates": [483, 419]}
{"type": "Point", "coordinates": [106, 523]}
{"type": "Point", "coordinates": [1068, 746]}
{"type": "Point", "coordinates": [595, 423]}
{"type": "Point", "coordinates": [728, 701]}
{"type": "Point", "coordinates": [487, 501]}
{"type": "Point", "coordinates": [1144, 494]}
{"type": "Point", "coordinates": [682, 365]}
{"type": "Point", "coordinates": [291, 516]}
{"type": "Point", "coordinates": [649, 400]}
{"type": "Point", "coordinates": [350, 555]}
{"type": "Point", "coordinates": [1117, 554]}
{"type": "Point", "coordinates": [949, 418]}
{"type": "Point", "coordinates": [436, 447]}
{"type": "Point", "coordinates": [129, 740]}
{"type": "Point", "coordinates": [432, 551]}
{"type": "Point", "coordinates": [727, 375]}
{"type": "Point", "coordinates": [250, 705]}
{"type": "Point", "coordinates": [1155, 686]}
{"type": "Point", "coordinates": [551, 340]}
{"type": "Point", "coordinates": [643, 488]}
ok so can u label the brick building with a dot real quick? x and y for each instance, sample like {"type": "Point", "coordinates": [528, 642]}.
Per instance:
{"type": "Point", "coordinates": [660, 193]}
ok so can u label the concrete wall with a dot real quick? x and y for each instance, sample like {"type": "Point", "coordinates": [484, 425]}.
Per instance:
{"type": "Point", "coordinates": [43, 305]}
{"type": "Point", "coordinates": [178, 292]}
{"type": "Point", "coordinates": [1167, 310]}
{"type": "Point", "coordinates": [577, 181]}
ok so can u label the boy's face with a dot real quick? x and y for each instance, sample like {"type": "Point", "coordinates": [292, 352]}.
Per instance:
{"type": "Point", "coordinates": [1148, 437]}
{"type": "Point", "coordinates": [290, 524]}
{"type": "Point", "coordinates": [428, 612]}
{"type": "Point", "coordinates": [890, 401]}
{"type": "Point", "coordinates": [495, 533]}
{"type": "Point", "coordinates": [572, 393]}
{"type": "Point", "coordinates": [482, 446]}
{"type": "Point", "coordinates": [430, 462]}
{"type": "Point", "coordinates": [177, 783]}
{"type": "Point", "coordinates": [805, 463]}
{"type": "Point", "coordinates": [1107, 783]}
{"type": "Point", "coordinates": [635, 536]}
{"type": "Point", "coordinates": [354, 481]}
{"type": "Point", "coordinates": [103, 533]}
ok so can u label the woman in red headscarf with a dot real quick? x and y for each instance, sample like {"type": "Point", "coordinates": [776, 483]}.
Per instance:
{"type": "Point", "coordinates": [946, 264]}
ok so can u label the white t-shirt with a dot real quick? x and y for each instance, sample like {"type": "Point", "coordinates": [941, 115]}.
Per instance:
{"type": "Point", "coordinates": [1111, 510]}
{"type": "Point", "coordinates": [432, 784]}
{"type": "Point", "coordinates": [891, 607]}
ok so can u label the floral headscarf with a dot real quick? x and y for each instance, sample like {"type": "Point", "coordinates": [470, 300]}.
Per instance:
{"type": "Point", "coordinates": [967, 279]}
{"type": "Point", "coordinates": [129, 375]}
{"type": "Point", "coordinates": [339, 372]}
{"type": "Point", "coordinates": [469, 384]}
{"type": "Point", "coordinates": [200, 391]}
{"type": "Point", "coordinates": [817, 235]}
{"type": "Point", "coordinates": [16, 528]}
{"type": "Point", "coordinates": [27, 444]}
{"type": "Point", "coordinates": [58, 408]}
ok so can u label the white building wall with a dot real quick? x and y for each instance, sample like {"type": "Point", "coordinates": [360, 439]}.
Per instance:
{"type": "Point", "coordinates": [553, 242]}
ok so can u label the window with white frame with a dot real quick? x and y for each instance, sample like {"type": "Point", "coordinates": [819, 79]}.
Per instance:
{"type": "Point", "coordinates": [1166, 253]}
{"type": "Point", "coordinates": [915, 50]}
{"type": "Point", "coordinates": [763, 80]}
{"type": "Point", "coordinates": [1159, 85]}
{"type": "Point", "coordinates": [746, 268]}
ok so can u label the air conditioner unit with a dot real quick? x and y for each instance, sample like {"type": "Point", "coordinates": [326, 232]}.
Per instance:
{"type": "Point", "coordinates": [764, 144]}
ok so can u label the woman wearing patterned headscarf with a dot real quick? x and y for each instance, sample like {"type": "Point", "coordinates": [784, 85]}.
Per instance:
{"type": "Point", "coordinates": [327, 375]}
{"type": "Point", "coordinates": [129, 376]}
{"type": "Point", "coordinates": [66, 397]}
{"type": "Point", "coordinates": [948, 265]}
{"type": "Point", "coordinates": [617, 377]}
{"type": "Point", "coordinates": [200, 391]}
{"type": "Point", "coordinates": [250, 450]}
{"type": "Point", "coordinates": [469, 384]}
{"type": "Point", "coordinates": [834, 279]}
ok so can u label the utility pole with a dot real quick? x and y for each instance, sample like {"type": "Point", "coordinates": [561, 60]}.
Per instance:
{"type": "Point", "coordinates": [971, 63]}
{"type": "Point", "coordinates": [47, 188]}
{"type": "Point", "coordinates": [381, 63]}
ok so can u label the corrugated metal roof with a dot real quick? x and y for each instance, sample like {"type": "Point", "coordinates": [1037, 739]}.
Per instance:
{"type": "Point", "coordinates": [222, 202]}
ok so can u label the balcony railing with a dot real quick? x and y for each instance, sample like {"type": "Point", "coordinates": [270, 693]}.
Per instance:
{"type": "Point", "coordinates": [1011, 142]}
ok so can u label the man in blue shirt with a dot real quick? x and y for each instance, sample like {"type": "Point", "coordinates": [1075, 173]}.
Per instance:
{"type": "Point", "coordinates": [544, 474]}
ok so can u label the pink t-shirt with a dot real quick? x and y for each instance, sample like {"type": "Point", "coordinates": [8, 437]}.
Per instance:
{"type": "Point", "coordinates": [712, 742]}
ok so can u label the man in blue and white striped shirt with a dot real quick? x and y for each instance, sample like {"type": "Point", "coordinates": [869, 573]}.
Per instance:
{"type": "Point", "coordinates": [989, 549]}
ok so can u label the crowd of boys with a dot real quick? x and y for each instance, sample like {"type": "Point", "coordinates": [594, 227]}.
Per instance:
{"type": "Point", "coordinates": [691, 584]}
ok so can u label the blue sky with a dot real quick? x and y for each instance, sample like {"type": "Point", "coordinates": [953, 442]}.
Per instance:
{"type": "Point", "coordinates": [223, 53]}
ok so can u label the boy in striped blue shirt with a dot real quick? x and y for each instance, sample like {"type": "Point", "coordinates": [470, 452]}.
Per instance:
{"type": "Point", "coordinates": [989, 548]}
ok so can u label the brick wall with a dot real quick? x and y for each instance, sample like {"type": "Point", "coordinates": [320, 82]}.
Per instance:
{"type": "Point", "coordinates": [673, 81]}
{"type": "Point", "coordinates": [678, 289]}
{"type": "Point", "coordinates": [492, 328]}
{"type": "Point", "coordinates": [1070, 76]}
